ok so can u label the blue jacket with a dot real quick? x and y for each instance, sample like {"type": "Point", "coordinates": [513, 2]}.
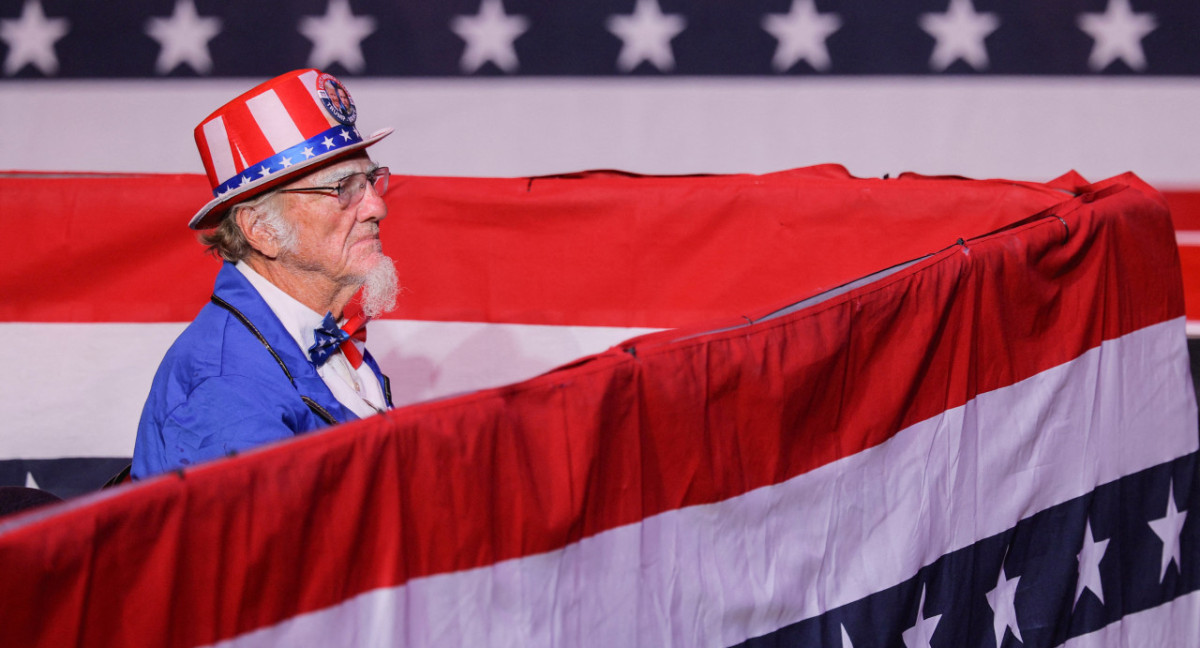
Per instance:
{"type": "Point", "coordinates": [234, 379]}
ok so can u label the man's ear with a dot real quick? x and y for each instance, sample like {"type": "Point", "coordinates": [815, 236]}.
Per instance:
{"type": "Point", "coordinates": [258, 234]}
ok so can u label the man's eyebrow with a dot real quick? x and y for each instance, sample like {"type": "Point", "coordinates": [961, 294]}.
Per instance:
{"type": "Point", "coordinates": [332, 179]}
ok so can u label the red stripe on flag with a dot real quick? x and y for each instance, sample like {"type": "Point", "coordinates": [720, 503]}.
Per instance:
{"type": "Point", "coordinates": [597, 249]}
{"type": "Point", "coordinates": [488, 250]}
{"type": "Point", "coordinates": [101, 248]}
{"type": "Point", "coordinates": [517, 471]}
{"type": "Point", "coordinates": [1185, 208]}
{"type": "Point", "coordinates": [1189, 260]}
{"type": "Point", "coordinates": [1185, 213]}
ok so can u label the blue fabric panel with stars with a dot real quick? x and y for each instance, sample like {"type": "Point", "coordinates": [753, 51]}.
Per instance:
{"type": "Point", "coordinates": [65, 477]}
{"type": "Point", "coordinates": [1140, 555]}
{"type": "Point", "coordinates": [56, 38]}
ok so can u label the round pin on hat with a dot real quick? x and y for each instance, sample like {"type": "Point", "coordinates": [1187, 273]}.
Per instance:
{"type": "Point", "coordinates": [273, 132]}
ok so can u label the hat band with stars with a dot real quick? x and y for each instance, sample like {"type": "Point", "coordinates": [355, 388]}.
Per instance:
{"type": "Point", "coordinates": [326, 142]}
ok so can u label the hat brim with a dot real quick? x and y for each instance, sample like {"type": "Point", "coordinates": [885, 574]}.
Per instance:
{"type": "Point", "coordinates": [211, 214]}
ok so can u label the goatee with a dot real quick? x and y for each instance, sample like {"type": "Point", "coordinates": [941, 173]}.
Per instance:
{"type": "Point", "coordinates": [380, 288]}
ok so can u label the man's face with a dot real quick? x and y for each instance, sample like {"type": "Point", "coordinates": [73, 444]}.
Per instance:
{"type": "Point", "coordinates": [340, 245]}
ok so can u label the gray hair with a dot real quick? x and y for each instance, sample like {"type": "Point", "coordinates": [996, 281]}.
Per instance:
{"type": "Point", "coordinates": [228, 241]}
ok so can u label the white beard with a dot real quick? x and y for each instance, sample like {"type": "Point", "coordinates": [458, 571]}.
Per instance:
{"type": "Point", "coordinates": [380, 288]}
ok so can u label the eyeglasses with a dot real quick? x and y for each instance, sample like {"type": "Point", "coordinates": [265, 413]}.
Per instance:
{"type": "Point", "coordinates": [350, 190]}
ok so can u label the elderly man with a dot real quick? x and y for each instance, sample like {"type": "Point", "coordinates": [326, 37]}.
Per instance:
{"type": "Point", "coordinates": [279, 350]}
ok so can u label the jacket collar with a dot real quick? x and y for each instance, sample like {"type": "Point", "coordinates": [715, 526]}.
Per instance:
{"type": "Point", "coordinates": [233, 288]}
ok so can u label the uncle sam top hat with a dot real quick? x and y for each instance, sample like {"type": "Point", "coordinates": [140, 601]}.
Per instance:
{"type": "Point", "coordinates": [272, 133]}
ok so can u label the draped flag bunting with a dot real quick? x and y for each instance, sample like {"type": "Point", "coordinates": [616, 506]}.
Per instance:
{"type": "Point", "coordinates": [992, 444]}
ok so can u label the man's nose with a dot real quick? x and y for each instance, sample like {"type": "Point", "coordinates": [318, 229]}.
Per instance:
{"type": "Point", "coordinates": [372, 206]}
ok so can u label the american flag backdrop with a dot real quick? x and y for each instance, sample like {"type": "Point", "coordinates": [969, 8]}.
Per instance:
{"type": "Point", "coordinates": [95, 94]}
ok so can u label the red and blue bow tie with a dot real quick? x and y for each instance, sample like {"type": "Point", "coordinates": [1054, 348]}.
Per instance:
{"type": "Point", "coordinates": [329, 337]}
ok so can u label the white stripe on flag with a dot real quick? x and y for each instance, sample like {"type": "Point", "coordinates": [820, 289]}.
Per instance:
{"type": "Point", "coordinates": [715, 575]}
{"type": "Point", "coordinates": [661, 125]}
{"type": "Point", "coordinates": [219, 149]}
{"type": "Point", "coordinates": [1187, 237]}
{"type": "Point", "coordinates": [274, 121]}
{"type": "Point", "coordinates": [111, 366]}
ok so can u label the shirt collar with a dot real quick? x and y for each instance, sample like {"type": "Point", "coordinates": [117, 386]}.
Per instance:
{"type": "Point", "coordinates": [298, 319]}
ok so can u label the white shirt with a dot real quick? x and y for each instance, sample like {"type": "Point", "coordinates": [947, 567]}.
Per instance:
{"type": "Point", "coordinates": [357, 389]}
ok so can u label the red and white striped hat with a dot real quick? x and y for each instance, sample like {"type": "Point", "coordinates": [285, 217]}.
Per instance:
{"type": "Point", "coordinates": [273, 132]}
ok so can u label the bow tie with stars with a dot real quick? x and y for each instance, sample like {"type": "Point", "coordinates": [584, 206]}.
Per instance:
{"type": "Point", "coordinates": [329, 338]}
